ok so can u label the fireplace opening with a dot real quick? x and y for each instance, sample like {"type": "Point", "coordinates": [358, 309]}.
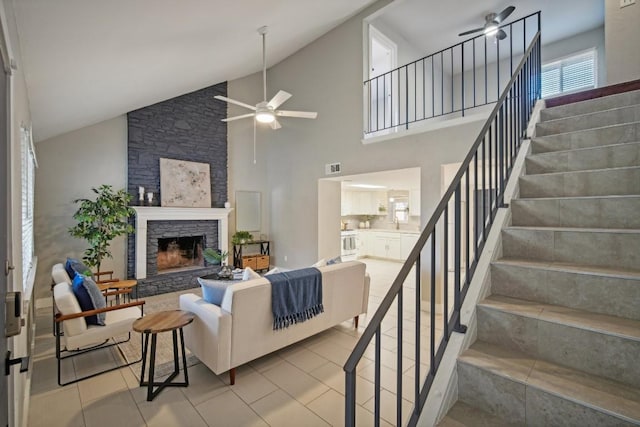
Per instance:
{"type": "Point", "coordinates": [179, 253]}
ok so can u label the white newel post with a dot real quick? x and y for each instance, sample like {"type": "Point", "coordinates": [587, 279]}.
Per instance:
{"type": "Point", "coordinates": [145, 214]}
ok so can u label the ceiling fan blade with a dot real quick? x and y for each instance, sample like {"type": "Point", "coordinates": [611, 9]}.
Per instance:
{"type": "Point", "coordinates": [244, 116]}
{"type": "Point", "coordinates": [279, 99]}
{"type": "Point", "coordinates": [471, 31]}
{"type": "Point", "coordinates": [299, 114]}
{"type": "Point", "coordinates": [275, 125]}
{"type": "Point", "coordinates": [233, 101]}
{"type": "Point", "coordinates": [501, 35]}
{"type": "Point", "coordinates": [504, 14]}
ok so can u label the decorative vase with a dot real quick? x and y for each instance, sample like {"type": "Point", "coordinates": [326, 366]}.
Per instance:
{"type": "Point", "coordinates": [366, 224]}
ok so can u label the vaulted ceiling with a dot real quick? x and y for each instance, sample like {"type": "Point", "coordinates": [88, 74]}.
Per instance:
{"type": "Point", "coordinates": [86, 61]}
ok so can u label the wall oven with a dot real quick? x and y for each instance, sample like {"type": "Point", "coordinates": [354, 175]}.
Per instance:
{"type": "Point", "coordinates": [349, 249]}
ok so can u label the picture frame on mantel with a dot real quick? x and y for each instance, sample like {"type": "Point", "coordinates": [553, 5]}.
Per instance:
{"type": "Point", "coordinates": [185, 184]}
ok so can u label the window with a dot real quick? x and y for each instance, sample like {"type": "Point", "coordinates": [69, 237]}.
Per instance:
{"type": "Point", "coordinates": [570, 74]}
{"type": "Point", "coordinates": [28, 183]}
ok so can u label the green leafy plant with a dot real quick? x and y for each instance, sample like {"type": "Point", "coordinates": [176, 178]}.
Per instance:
{"type": "Point", "coordinates": [215, 256]}
{"type": "Point", "coordinates": [240, 236]}
{"type": "Point", "coordinates": [102, 220]}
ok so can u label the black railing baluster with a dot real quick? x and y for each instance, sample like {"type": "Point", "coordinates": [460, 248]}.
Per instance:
{"type": "Point", "coordinates": [462, 78]}
{"type": "Point", "coordinates": [494, 151]}
{"type": "Point", "coordinates": [486, 86]}
{"type": "Point", "coordinates": [406, 97]}
{"type": "Point", "coordinates": [474, 72]}
{"type": "Point", "coordinates": [452, 89]}
{"type": "Point", "coordinates": [497, 68]}
{"type": "Point", "coordinates": [433, 91]}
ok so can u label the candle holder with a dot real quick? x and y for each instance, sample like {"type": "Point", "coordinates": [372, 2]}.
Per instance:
{"type": "Point", "coordinates": [150, 198]}
{"type": "Point", "coordinates": [141, 196]}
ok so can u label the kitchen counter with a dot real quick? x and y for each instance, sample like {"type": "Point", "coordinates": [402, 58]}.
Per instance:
{"type": "Point", "coordinates": [388, 230]}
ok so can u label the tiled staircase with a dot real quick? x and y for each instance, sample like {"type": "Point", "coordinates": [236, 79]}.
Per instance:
{"type": "Point", "coordinates": [559, 337]}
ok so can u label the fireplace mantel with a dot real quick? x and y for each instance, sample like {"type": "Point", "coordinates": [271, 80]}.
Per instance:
{"type": "Point", "coordinates": [149, 213]}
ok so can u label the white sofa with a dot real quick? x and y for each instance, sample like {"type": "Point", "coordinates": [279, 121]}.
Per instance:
{"type": "Point", "coordinates": [241, 329]}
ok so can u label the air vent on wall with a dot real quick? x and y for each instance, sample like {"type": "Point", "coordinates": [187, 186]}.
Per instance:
{"type": "Point", "coordinates": [332, 168]}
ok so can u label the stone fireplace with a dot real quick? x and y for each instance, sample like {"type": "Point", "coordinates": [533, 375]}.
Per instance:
{"type": "Point", "coordinates": [169, 244]}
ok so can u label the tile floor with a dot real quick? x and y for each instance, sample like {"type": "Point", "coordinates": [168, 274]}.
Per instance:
{"type": "Point", "coordinates": [302, 384]}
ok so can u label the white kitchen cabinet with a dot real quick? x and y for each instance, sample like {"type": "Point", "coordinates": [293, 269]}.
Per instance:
{"type": "Point", "coordinates": [387, 245]}
{"type": "Point", "coordinates": [364, 244]}
{"type": "Point", "coordinates": [407, 242]}
{"type": "Point", "coordinates": [414, 202]}
{"type": "Point", "coordinates": [361, 202]}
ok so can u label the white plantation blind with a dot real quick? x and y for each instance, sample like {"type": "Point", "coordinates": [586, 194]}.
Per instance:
{"type": "Point", "coordinates": [28, 184]}
{"type": "Point", "coordinates": [569, 74]}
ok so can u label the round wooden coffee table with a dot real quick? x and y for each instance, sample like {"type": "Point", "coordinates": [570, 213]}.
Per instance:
{"type": "Point", "coordinates": [152, 324]}
{"type": "Point", "coordinates": [124, 287]}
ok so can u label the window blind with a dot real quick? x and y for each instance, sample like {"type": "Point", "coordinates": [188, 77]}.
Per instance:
{"type": "Point", "coordinates": [569, 74]}
{"type": "Point", "coordinates": [28, 185]}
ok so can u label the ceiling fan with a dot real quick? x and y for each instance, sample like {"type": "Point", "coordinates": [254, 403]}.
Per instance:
{"type": "Point", "coordinates": [491, 25]}
{"type": "Point", "coordinates": [267, 112]}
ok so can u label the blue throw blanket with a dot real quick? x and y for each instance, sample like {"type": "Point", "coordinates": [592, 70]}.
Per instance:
{"type": "Point", "coordinates": [296, 296]}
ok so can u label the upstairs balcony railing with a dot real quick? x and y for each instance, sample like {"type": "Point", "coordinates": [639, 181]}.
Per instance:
{"type": "Point", "coordinates": [454, 237]}
{"type": "Point", "coordinates": [449, 82]}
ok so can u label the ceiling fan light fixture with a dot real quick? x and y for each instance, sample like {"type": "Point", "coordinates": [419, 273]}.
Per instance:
{"type": "Point", "coordinates": [491, 29]}
{"type": "Point", "coordinates": [264, 114]}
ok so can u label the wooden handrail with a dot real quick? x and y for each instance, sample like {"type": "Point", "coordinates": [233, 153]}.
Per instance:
{"type": "Point", "coordinates": [62, 317]}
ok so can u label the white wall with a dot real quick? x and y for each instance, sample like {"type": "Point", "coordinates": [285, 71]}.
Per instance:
{"type": "Point", "coordinates": [578, 43]}
{"type": "Point", "coordinates": [622, 35]}
{"type": "Point", "coordinates": [70, 165]}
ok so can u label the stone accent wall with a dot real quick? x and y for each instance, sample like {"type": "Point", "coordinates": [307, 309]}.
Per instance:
{"type": "Point", "coordinates": [187, 127]}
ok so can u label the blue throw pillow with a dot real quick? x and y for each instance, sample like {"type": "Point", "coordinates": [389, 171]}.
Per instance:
{"type": "Point", "coordinates": [212, 290]}
{"type": "Point", "coordinates": [89, 297]}
{"type": "Point", "coordinates": [73, 266]}
{"type": "Point", "coordinates": [336, 260]}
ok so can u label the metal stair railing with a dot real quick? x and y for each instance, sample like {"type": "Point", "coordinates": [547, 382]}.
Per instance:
{"type": "Point", "coordinates": [451, 81]}
{"type": "Point", "coordinates": [473, 198]}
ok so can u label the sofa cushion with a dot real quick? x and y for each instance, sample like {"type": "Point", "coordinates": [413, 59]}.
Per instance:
{"type": "Point", "coordinates": [73, 266]}
{"type": "Point", "coordinates": [67, 303]}
{"type": "Point", "coordinates": [89, 297]}
{"type": "Point", "coordinates": [321, 263]}
{"type": "Point", "coordinates": [336, 260]}
{"type": "Point", "coordinates": [249, 274]}
{"type": "Point", "coordinates": [213, 290]}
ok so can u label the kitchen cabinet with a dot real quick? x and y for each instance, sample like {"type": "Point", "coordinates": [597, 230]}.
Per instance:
{"type": "Point", "coordinates": [414, 202]}
{"type": "Point", "coordinates": [387, 245]}
{"type": "Point", "coordinates": [361, 202]}
{"type": "Point", "coordinates": [407, 242]}
{"type": "Point", "coordinates": [364, 244]}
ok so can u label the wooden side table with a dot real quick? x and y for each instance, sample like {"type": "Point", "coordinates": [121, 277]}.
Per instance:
{"type": "Point", "coordinates": [124, 287]}
{"type": "Point", "coordinates": [152, 324]}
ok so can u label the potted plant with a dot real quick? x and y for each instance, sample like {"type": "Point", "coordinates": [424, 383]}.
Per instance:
{"type": "Point", "coordinates": [241, 237]}
{"type": "Point", "coordinates": [215, 256]}
{"type": "Point", "coordinates": [100, 221]}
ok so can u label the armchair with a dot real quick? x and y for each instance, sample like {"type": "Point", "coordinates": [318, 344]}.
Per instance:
{"type": "Point", "coordinates": [75, 337]}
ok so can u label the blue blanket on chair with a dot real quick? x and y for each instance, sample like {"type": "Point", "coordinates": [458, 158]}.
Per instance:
{"type": "Point", "coordinates": [296, 296]}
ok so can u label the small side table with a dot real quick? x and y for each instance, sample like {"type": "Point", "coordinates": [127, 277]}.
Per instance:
{"type": "Point", "coordinates": [151, 324]}
{"type": "Point", "coordinates": [121, 285]}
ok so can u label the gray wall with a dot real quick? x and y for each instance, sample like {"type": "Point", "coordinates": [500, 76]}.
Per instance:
{"type": "Point", "coordinates": [70, 165]}
{"type": "Point", "coordinates": [325, 76]}
{"type": "Point", "coordinates": [622, 35]}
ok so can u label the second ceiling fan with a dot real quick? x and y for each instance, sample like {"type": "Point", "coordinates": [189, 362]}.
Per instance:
{"type": "Point", "coordinates": [492, 23]}
{"type": "Point", "coordinates": [267, 112]}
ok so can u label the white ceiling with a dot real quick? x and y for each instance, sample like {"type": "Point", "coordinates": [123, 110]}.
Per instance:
{"type": "Point", "coordinates": [86, 61]}
{"type": "Point", "coordinates": [431, 25]}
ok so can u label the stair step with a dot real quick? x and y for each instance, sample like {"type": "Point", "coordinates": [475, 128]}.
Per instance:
{"type": "Point", "coordinates": [603, 247]}
{"type": "Point", "coordinates": [626, 114]}
{"type": "Point", "coordinates": [598, 344]}
{"type": "Point", "coordinates": [514, 386]}
{"type": "Point", "coordinates": [614, 292]}
{"type": "Point", "coordinates": [463, 415]}
{"type": "Point", "coordinates": [591, 105]}
{"type": "Point", "coordinates": [601, 157]}
{"type": "Point", "coordinates": [606, 135]}
{"type": "Point", "coordinates": [597, 182]}
{"type": "Point", "coordinates": [586, 212]}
